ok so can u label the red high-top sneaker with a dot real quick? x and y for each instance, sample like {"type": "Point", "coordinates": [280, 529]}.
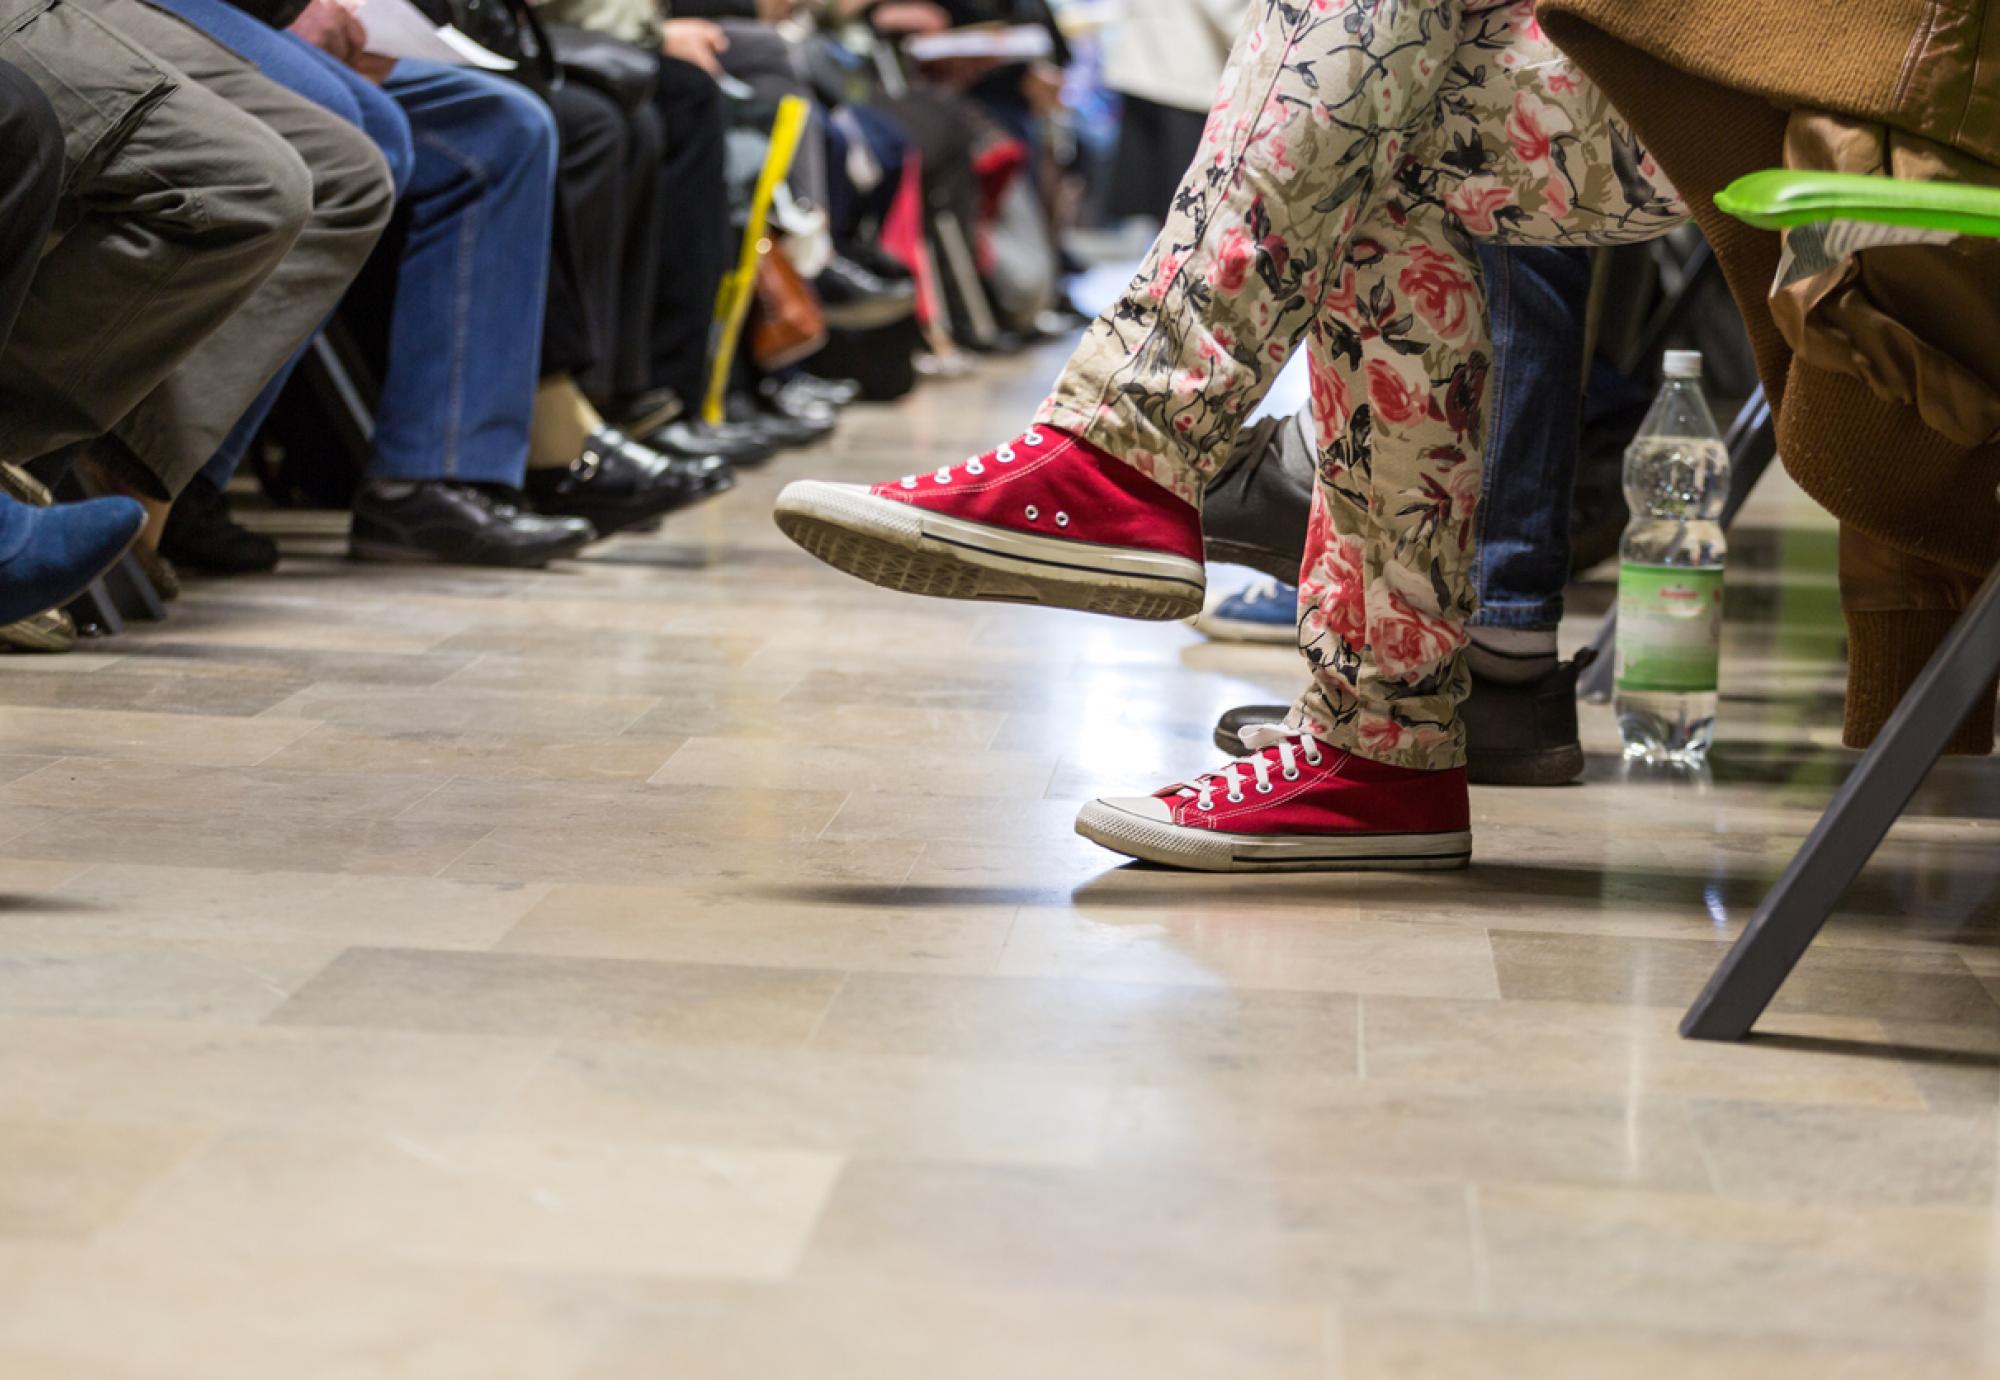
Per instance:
{"type": "Point", "coordinates": [1045, 519]}
{"type": "Point", "coordinates": [1295, 805]}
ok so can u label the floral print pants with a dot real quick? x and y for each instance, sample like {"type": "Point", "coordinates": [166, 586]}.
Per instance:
{"type": "Point", "coordinates": [1359, 148]}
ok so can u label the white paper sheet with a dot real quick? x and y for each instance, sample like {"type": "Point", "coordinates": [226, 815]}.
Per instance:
{"type": "Point", "coordinates": [1020, 43]}
{"type": "Point", "coordinates": [398, 29]}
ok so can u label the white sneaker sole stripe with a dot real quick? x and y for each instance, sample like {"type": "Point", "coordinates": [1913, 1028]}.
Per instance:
{"type": "Point", "coordinates": [1204, 850]}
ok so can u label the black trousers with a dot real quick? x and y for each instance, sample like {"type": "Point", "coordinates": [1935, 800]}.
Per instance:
{"type": "Point", "coordinates": [609, 170]}
{"type": "Point", "coordinates": [688, 228]}
{"type": "Point", "coordinates": [591, 216]}
{"type": "Point", "coordinates": [630, 371]}
{"type": "Point", "coordinates": [31, 165]}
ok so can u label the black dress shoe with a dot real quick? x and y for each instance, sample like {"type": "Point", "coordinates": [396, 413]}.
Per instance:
{"type": "Point", "coordinates": [856, 298]}
{"type": "Point", "coordinates": [201, 535]}
{"type": "Point", "coordinates": [836, 393]}
{"type": "Point", "coordinates": [1515, 735]}
{"type": "Point", "coordinates": [800, 396]}
{"type": "Point", "coordinates": [803, 425]}
{"type": "Point", "coordinates": [1259, 504]}
{"type": "Point", "coordinates": [436, 520]}
{"type": "Point", "coordinates": [617, 483]}
{"type": "Point", "coordinates": [741, 444]}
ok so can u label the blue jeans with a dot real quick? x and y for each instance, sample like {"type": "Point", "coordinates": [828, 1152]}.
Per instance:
{"type": "Point", "coordinates": [1539, 300]}
{"type": "Point", "coordinates": [473, 157]}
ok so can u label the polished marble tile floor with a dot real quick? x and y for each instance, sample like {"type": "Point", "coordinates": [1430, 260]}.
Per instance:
{"type": "Point", "coordinates": [680, 967]}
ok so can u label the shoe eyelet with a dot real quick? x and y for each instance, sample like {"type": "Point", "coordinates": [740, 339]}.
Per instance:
{"type": "Point", "coordinates": [1236, 799]}
{"type": "Point", "coordinates": [1062, 519]}
{"type": "Point", "coordinates": [1292, 775]}
{"type": "Point", "coordinates": [1314, 761]}
{"type": "Point", "coordinates": [942, 476]}
{"type": "Point", "coordinates": [1205, 805]}
{"type": "Point", "coordinates": [1034, 513]}
{"type": "Point", "coordinates": [975, 467]}
{"type": "Point", "coordinates": [1034, 438]}
{"type": "Point", "coordinates": [1005, 455]}
{"type": "Point", "coordinates": [910, 482]}
{"type": "Point", "coordinates": [1266, 788]}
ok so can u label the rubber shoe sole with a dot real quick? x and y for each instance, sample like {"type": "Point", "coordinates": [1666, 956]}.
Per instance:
{"type": "Point", "coordinates": [1204, 850]}
{"type": "Point", "coordinates": [902, 547]}
{"type": "Point", "coordinates": [1279, 565]}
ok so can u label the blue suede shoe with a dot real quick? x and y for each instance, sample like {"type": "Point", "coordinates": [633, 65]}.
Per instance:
{"type": "Point", "coordinates": [48, 556]}
{"type": "Point", "coordinates": [1265, 612]}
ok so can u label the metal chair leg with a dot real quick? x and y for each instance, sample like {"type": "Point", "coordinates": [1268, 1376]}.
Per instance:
{"type": "Point", "coordinates": [1955, 683]}
{"type": "Point", "coordinates": [95, 610]}
{"type": "Point", "coordinates": [1753, 443]}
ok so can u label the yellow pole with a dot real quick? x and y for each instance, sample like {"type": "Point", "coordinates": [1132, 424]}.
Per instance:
{"type": "Point", "coordinates": [739, 286]}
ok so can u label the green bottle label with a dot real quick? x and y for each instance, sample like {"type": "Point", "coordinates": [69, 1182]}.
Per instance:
{"type": "Point", "coordinates": [1669, 629]}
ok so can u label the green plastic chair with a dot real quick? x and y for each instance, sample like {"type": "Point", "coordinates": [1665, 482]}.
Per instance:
{"type": "Point", "coordinates": [1951, 687]}
{"type": "Point", "coordinates": [1782, 200]}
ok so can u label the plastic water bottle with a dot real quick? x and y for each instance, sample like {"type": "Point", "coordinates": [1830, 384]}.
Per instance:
{"type": "Point", "coordinates": [1670, 574]}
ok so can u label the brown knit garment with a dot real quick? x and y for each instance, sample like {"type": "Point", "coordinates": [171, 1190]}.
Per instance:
{"type": "Point", "coordinates": [1872, 464]}
{"type": "Point", "coordinates": [1867, 459]}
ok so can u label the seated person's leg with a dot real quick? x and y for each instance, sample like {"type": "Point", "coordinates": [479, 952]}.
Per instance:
{"type": "Point", "coordinates": [1295, 226]}
{"type": "Point", "coordinates": [466, 331]}
{"type": "Point", "coordinates": [31, 165]}
{"type": "Point", "coordinates": [695, 246]}
{"type": "Point", "coordinates": [47, 555]}
{"type": "Point", "coordinates": [180, 207]}
{"type": "Point", "coordinates": [1521, 714]}
{"type": "Point", "coordinates": [199, 533]}
{"type": "Point", "coordinates": [189, 417]}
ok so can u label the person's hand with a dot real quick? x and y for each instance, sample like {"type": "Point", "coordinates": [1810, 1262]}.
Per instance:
{"type": "Point", "coordinates": [333, 29]}
{"type": "Point", "coordinates": [1042, 85]}
{"type": "Point", "coordinates": [699, 41]}
{"type": "Point", "coordinates": [905, 17]}
{"type": "Point", "coordinates": [373, 66]}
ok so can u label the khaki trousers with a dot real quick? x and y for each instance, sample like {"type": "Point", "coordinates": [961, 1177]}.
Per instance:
{"type": "Point", "coordinates": [209, 220]}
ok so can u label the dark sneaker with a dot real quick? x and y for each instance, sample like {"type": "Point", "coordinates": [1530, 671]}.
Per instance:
{"type": "Point", "coordinates": [617, 484]}
{"type": "Point", "coordinates": [1516, 735]}
{"type": "Point", "coordinates": [1525, 735]}
{"type": "Point", "coordinates": [459, 524]}
{"type": "Point", "coordinates": [1258, 506]}
{"type": "Point", "coordinates": [202, 535]}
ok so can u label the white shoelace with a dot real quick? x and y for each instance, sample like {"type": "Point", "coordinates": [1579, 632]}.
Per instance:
{"type": "Point", "coordinates": [976, 466]}
{"type": "Point", "coordinates": [1255, 770]}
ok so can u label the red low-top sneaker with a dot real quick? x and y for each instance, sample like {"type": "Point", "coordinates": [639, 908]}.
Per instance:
{"type": "Point", "coordinates": [1294, 805]}
{"type": "Point", "coordinates": [1046, 519]}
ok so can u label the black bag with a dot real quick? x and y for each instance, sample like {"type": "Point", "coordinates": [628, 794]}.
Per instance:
{"type": "Point", "coordinates": [505, 28]}
{"type": "Point", "coordinates": [623, 71]}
